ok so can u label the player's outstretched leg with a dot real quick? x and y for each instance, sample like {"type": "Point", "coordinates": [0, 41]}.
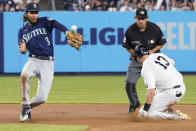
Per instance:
{"type": "Point", "coordinates": [26, 109]}
{"type": "Point", "coordinates": [44, 84]}
{"type": "Point", "coordinates": [182, 116]}
{"type": "Point", "coordinates": [25, 113]}
{"type": "Point", "coordinates": [165, 115]}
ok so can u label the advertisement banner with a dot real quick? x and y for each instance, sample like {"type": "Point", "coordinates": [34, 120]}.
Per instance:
{"type": "Point", "coordinates": [1, 44]}
{"type": "Point", "coordinates": [103, 32]}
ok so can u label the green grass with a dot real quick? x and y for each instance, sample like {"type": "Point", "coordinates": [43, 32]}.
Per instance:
{"type": "Point", "coordinates": [79, 89]}
{"type": "Point", "coordinates": [86, 89]}
{"type": "Point", "coordinates": [40, 127]}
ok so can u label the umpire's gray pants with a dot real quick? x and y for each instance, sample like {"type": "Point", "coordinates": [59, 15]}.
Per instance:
{"type": "Point", "coordinates": [133, 74]}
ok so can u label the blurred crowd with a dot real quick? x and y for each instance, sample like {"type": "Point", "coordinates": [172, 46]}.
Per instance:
{"type": "Point", "coordinates": [129, 5]}
{"type": "Point", "coordinates": [108, 5]}
{"type": "Point", "coordinates": [14, 5]}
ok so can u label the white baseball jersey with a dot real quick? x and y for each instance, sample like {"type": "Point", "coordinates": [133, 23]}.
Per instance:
{"type": "Point", "coordinates": [158, 72]}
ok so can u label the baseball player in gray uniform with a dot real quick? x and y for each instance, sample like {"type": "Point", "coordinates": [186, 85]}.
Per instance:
{"type": "Point", "coordinates": [141, 32]}
{"type": "Point", "coordinates": [164, 84]}
{"type": "Point", "coordinates": [36, 37]}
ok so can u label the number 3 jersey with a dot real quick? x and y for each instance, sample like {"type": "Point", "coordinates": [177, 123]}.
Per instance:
{"type": "Point", "coordinates": [158, 72]}
{"type": "Point", "coordinates": [38, 38]}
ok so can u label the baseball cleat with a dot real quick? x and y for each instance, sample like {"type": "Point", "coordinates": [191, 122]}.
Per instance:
{"type": "Point", "coordinates": [133, 108]}
{"type": "Point", "coordinates": [183, 115]}
{"type": "Point", "coordinates": [25, 113]}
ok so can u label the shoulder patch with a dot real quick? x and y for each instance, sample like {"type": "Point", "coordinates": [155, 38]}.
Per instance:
{"type": "Point", "coordinates": [50, 19]}
{"type": "Point", "coordinates": [124, 39]}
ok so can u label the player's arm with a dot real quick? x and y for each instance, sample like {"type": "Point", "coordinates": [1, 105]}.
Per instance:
{"type": "Point", "coordinates": [149, 98]}
{"type": "Point", "coordinates": [74, 39]}
{"type": "Point", "coordinates": [55, 24]}
{"type": "Point", "coordinates": [127, 44]}
{"type": "Point", "coordinates": [150, 95]}
{"type": "Point", "coordinates": [131, 51]}
{"type": "Point", "coordinates": [148, 75]}
{"type": "Point", "coordinates": [22, 46]}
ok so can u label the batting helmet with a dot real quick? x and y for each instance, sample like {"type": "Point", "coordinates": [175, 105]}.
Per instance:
{"type": "Point", "coordinates": [31, 7]}
{"type": "Point", "coordinates": [140, 50]}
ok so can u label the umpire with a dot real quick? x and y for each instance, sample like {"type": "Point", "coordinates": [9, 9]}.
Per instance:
{"type": "Point", "coordinates": [151, 36]}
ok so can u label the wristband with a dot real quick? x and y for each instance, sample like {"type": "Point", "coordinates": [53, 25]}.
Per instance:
{"type": "Point", "coordinates": [146, 106]}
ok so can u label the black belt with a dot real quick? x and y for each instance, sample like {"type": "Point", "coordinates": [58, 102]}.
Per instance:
{"type": "Point", "coordinates": [42, 57]}
{"type": "Point", "coordinates": [177, 86]}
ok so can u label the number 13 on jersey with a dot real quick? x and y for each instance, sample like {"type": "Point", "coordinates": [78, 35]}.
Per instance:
{"type": "Point", "coordinates": [162, 61]}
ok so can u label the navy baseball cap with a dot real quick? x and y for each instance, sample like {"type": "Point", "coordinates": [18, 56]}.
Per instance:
{"type": "Point", "coordinates": [141, 13]}
{"type": "Point", "coordinates": [141, 50]}
{"type": "Point", "coordinates": [31, 7]}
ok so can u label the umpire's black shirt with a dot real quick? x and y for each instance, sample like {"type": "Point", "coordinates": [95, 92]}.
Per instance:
{"type": "Point", "coordinates": [151, 37]}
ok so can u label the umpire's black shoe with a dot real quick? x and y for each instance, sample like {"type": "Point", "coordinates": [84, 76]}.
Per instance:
{"type": "Point", "coordinates": [25, 113]}
{"type": "Point", "coordinates": [133, 108]}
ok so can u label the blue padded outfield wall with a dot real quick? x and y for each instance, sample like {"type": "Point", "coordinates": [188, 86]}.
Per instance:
{"type": "Point", "coordinates": [103, 34]}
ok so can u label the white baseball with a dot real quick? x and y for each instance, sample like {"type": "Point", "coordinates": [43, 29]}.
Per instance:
{"type": "Point", "coordinates": [74, 27]}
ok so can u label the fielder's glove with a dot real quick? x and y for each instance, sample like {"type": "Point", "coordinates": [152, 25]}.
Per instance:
{"type": "Point", "coordinates": [74, 39]}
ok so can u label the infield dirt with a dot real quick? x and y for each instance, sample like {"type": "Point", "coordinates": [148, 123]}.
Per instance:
{"type": "Point", "coordinates": [99, 117]}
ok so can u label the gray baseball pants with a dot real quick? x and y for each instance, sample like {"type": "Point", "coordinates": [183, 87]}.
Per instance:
{"type": "Point", "coordinates": [133, 74]}
{"type": "Point", "coordinates": [44, 70]}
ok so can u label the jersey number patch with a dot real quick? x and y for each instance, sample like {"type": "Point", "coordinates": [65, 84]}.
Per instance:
{"type": "Point", "coordinates": [162, 62]}
{"type": "Point", "coordinates": [47, 39]}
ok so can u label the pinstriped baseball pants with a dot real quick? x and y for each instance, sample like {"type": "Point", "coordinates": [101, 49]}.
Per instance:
{"type": "Point", "coordinates": [163, 100]}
